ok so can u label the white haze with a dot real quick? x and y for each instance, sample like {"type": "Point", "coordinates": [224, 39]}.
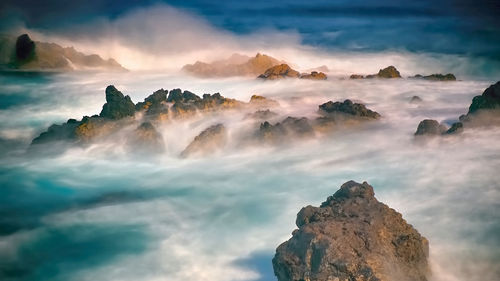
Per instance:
{"type": "Point", "coordinates": [162, 37]}
{"type": "Point", "coordinates": [243, 201]}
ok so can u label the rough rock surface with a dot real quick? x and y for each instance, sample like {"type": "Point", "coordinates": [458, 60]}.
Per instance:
{"type": "Point", "coordinates": [314, 75]}
{"type": "Point", "coordinates": [388, 72]}
{"type": "Point", "coordinates": [352, 236]}
{"type": "Point", "coordinates": [146, 139]}
{"type": "Point", "coordinates": [289, 128]}
{"type": "Point", "coordinates": [117, 105]}
{"type": "Point", "coordinates": [236, 65]}
{"type": "Point", "coordinates": [347, 107]}
{"type": "Point", "coordinates": [437, 77]}
{"type": "Point", "coordinates": [208, 141]}
{"type": "Point", "coordinates": [155, 105]}
{"type": "Point", "coordinates": [279, 72]}
{"type": "Point", "coordinates": [429, 127]}
{"type": "Point", "coordinates": [490, 99]}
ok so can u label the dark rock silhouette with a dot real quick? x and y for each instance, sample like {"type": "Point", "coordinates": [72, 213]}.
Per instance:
{"type": "Point", "coordinates": [352, 236]}
{"type": "Point", "coordinates": [117, 105]}
{"type": "Point", "coordinates": [437, 77]}
{"type": "Point", "coordinates": [388, 72]}
{"type": "Point", "coordinates": [208, 141]}
{"type": "Point", "coordinates": [155, 105]}
{"type": "Point", "coordinates": [25, 48]}
{"type": "Point", "coordinates": [429, 127]}
{"type": "Point", "coordinates": [490, 99]}
{"type": "Point", "coordinates": [455, 128]}
{"type": "Point", "coordinates": [289, 128]}
{"type": "Point", "coordinates": [347, 107]}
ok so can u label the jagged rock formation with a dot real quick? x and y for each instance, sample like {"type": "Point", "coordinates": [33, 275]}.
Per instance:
{"type": "Point", "coordinates": [155, 105]}
{"type": "Point", "coordinates": [285, 71]}
{"type": "Point", "coordinates": [236, 65]}
{"type": "Point", "coordinates": [437, 77]}
{"type": "Point", "coordinates": [490, 99]}
{"type": "Point", "coordinates": [347, 107]}
{"type": "Point", "coordinates": [208, 141]}
{"type": "Point", "coordinates": [117, 105]}
{"type": "Point", "coordinates": [388, 72]}
{"type": "Point", "coordinates": [352, 236]}
{"type": "Point", "coordinates": [25, 54]}
{"type": "Point", "coordinates": [484, 110]}
{"type": "Point", "coordinates": [291, 127]}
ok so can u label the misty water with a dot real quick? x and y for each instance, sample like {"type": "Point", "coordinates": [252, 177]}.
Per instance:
{"type": "Point", "coordinates": [100, 212]}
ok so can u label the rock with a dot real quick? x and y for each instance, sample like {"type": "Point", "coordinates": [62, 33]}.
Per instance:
{"type": "Point", "coordinates": [260, 101]}
{"type": "Point", "coordinates": [455, 128]}
{"type": "Point", "coordinates": [314, 76]}
{"type": "Point", "coordinates": [489, 100]}
{"type": "Point", "coordinates": [117, 106]}
{"type": "Point", "coordinates": [352, 236]}
{"type": "Point", "coordinates": [25, 48]}
{"type": "Point", "coordinates": [356, 76]}
{"type": "Point", "coordinates": [91, 128]}
{"type": "Point", "coordinates": [55, 133]}
{"type": "Point", "coordinates": [155, 105]}
{"type": "Point", "coordinates": [262, 114]}
{"type": "Point", "coordinates": [437, 77]}
{"type": "Point", "coordinates": [429, 127]}
{"type": "Point", "coordinates": [415, 100]}
{"type": "Point", "coordinates": [347, 108]}
{"type": "Point", "coordinates": [236, 65]}
{"type": "Point", "coordinates": [279, 72]}
{"type": "Point", "coordinates": [388, 72]}
{"type": "Point", "coordinates": [208, 141]}
{"type": "Point", "coordinates": [27, 54]}
{"type": "Point", "coordinates": [291, 127]}
{"type": "Point", "coordinates": [146, 139]}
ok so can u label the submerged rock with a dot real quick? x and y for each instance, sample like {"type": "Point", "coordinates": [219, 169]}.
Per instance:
{"type": "Point", "coordinates": [352, 236]}
{"type": "Point", "coordinates": [117, 105]}
{"type": "Point", "coordinates": [314, 75]}
{"type": "Point", "coordinates": [208, 141]}
{"type": "Point", "coordinates": [146, 139]}
{"type": "Point", "coordinates": [455, 128]}
{"type": "Point", "coordinates": [415, 100]}
{"type": "Point", "coordinates": [437, 77]}
{"type": "Point", "coordinates": [429, 127]}
{"type": "Point", "coordinates": [289, 128]}
{"type": "Point", "coordinates": [388, 72]}
{"type": "Point", "coordinates": [262, 114]}
{"type": "Point", "coordinates": [279, 72]}
{"type": "Point", "coordinates": [356, 76]}
{"type": "Point", "coordinates": [260, 101]}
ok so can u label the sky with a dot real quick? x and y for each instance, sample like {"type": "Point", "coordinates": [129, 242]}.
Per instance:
{"type": "Point", "coordinates": [462, 27]}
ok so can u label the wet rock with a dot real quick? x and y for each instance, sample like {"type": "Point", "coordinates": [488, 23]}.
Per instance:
{"type": "Point", "coordinates": [155, 105]}
{"type": "Point", "coordinates": [429, 127]}
{"type": "Point", "coordinates": [94, 127]}
{"type": "Point", "coordinates": [208, 141]}
{"type": "Point", "coordinates": [388, 72]}
{"type": "Point", "coordinates": [352, 236]}
{"type": "Point", "coordinates": [146, 139]}
{"type": "Point", "coordinates": [55, 133]}
{"type": "Point", "coordinates": [356, 76]}
{"type": "Point", "coordinates": [279, 72]}
{"type": "Point", "coordinates": [347, 108]}
{"type": "Point", "coordinates": [117, 105]}
{"type": "Point", "coordinates": [260, 101]}
{"type": "Point", "coordinates": [416, 100]}
{"type": "Point", "coordinates": [437, 77]}
{"type": "Point", "coordinates": [489, 100]}
{"type": "Point", "coordinates": [290, 128]}
{"type": "Point", "coordinates": [455, 128]}
{"type": "Point", "coordinates": [25, 48]}
{"type": "Point", "coordinates": [314, 75]}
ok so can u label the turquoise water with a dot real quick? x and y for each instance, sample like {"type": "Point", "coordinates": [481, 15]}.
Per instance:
{"type": "Point", "coordinates": [98, 213]}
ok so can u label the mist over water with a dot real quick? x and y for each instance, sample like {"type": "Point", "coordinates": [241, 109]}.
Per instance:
{"type": "Point", "coordinates": [100, 213]}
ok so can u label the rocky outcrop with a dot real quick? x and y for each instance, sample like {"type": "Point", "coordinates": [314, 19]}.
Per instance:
{"type": "Point", "coordinates": [314, 75]}
{"type": "Point", "coordinates": [347, 108]}
{"type": "Point", "coordinates": [279, 72]}
{"type": "Point", "coordinates": [236, 65]}
{"type": "Point", "coordinates": [352, 236]}
{"type": "Point", "coordinates": [388, 72]}
{"type": "Point", "coordinates": [285, 71]}
{"type": "Point", "coordinates": [208, 141]}
{"type": "Point", "coordinates": [263, 102]}
{"type": "Point", "coordinates": [437, 77]}
{"type": "Point", "coordinates": [26, 54]}
{"type": "Point", "coordinates": [489, 100]}
{"type": "Point", "coordinates": [290, 128]}
{"type": "Point", "coordinates": [430, 127]}
{"type": "Point", "coordinates": [117, 105]}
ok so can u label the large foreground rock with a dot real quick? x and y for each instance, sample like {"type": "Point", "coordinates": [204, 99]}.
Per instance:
{"type": "Point", "coordinates": [490, 99]}
{"type": "Point", "coordinates": [352, 236]}
{"type": "Point", "coordinates": [117, 105]}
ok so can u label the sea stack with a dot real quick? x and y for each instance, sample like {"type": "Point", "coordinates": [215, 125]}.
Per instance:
{"type": "Point", "coordinates": [352, 236]}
